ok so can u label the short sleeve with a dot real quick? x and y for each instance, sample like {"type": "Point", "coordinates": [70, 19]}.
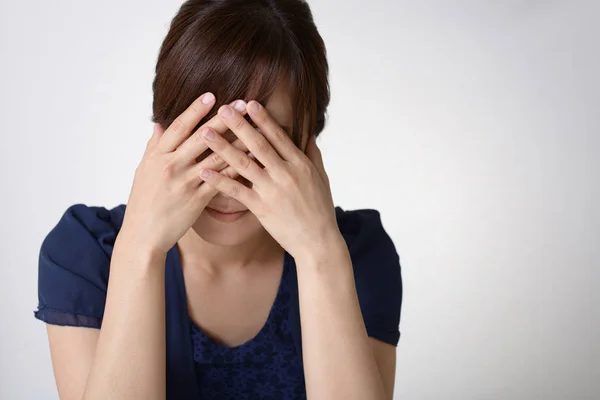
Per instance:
{"type": "Point", "coordinates": [377, 272]}
{"type": "Point", "coordinates": [73, 266]}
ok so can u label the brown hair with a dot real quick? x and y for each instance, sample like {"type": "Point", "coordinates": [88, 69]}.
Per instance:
{"type": "Point", "coordinates": [242, 49]}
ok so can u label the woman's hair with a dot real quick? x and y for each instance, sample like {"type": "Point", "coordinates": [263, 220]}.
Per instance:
{"type": "Point", "coordinates": [243, 49]}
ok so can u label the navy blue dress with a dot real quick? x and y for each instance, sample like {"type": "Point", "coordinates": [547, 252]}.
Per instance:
{"type": "Point", "coordinates": [74, 263]}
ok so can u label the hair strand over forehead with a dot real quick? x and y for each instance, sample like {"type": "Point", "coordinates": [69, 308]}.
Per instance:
{"type": "Point", "coordinates": [243, 49]}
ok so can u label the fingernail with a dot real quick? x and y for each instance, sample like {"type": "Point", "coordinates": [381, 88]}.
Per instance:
{"type": "Point", "coordinates": [208, 98]}
{"type": "Point", "coordinates": [208, 134]}
{"type": "Point", "coordinates": [239, 105]}
{"type": "Point", "coordinates": [205, 173]}
{"type": "Point", "coordinates": [226, 111]}
{"type": "Point", "coordinates": [253, 107]}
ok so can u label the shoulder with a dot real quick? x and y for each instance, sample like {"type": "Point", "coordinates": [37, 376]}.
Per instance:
{"type": "Point", "coordinates": [377, 271]}
{"type": "Point", "coordinates": [365, 235]}
{"type": "Point", "coordinates": [74, 261]}
{"type": "Point", "coordinates": [95, 220]}
{"type": "Point", "coordinates": [83, 231]}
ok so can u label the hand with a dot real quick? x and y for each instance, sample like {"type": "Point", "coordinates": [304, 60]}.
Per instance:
{"type": "Point", "coordinates": [290, 196]}
{"type": "Point", "coordinates": [167, 194]}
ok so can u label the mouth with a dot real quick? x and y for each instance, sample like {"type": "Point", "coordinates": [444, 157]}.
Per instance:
{"type": "Point", "coordinates": [224, 215]}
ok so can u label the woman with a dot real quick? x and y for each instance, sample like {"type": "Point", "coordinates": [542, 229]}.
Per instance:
{"type": "Point", "coordinates": [232, 275]}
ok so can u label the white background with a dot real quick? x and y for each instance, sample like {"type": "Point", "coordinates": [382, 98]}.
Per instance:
{"type": "Point", "coordinates": [473, 126]}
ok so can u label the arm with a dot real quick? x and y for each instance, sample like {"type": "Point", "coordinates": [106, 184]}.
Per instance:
{"type": "Point", "coordinates": [291, 197]}
{"type": "Point", "coordinates": [126, 359]}
{"type": "Point", "coordinates": [72, 351]}
{"type": "Point", "coordinates": [130, 354]}
{"type": "Point", "coordinates": [130, 348]}
{"type": "Point", "coordinates": [339, 357]}
{"type": "Point", "coordinates": [385, 356]}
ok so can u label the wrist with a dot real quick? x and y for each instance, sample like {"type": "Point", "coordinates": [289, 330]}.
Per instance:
{"type": "Point", "coordinates": [329, 248]}
{"type": "Point", "coordinates": [133, 247]}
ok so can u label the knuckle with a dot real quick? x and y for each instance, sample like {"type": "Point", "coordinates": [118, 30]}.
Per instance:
{"type": "Point", "coordinates": [172, 188]}
{"type": "Point", "coordinates": [192, 181]}
{"type": "Point", "coordinates": [220, 144]}
{"type": "Point", "coordinates": [230, 173]}
{"type": "Point", "coordinates": [183, 187]}
{"type": "Point", "coordinates": [197, 138]}
{"type": "Point", "coordinates": [301, 161]}
{"type": "Point", "coordinates": [216, 159]}
{"type": "Point", "coordinates": [197, 107]}
{"type": "Point", "coordinates": [148, 159]}
{"type": "Point", "coordinates": [280, 135]}
{"type": "Point", "coordinates": [149, 152]}
{"type": "Point", "coordinates": [177, 125]}
{"type": "Point", "coordinates": [234, 190]}
{"type": "Point", "coordinates": [243, 161]}
{"type": "Point", "coordinates": [262, 145]}
{"type": "Point", "coordinates": [238, 123]}
{"type": "Point", "coordinates": [169, 170]}
{"type": "Point", "coordinates": [287, 180]}
{"type": "Point", "coordinates": [216, 178]}
{"type": "Point", "coordinates": [305, 168]}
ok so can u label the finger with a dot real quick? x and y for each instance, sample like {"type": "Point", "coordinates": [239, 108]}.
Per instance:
{"type": "Point", "coordinates": [157, 132]}
{"type": "Point", "coordinates": [313, 152]}
{"type": "Point", "coordinates": [216, 163]}
{"type": "Point", "coordinates": [270, 129]}
{"type": "Point", "coordinates": [230, 187]}
{"type": "Point", "coordinates": [180, 128]}
{"type": "Point", "coordinates": [214, 160]}
{"type": "Point", "coordinates": [194, 146]}
{"type": "Point", "coordinates": [207, 191]}
{"type": "Point", "coordinates": [254, 141]}
{"type": "Point", "coordinates": [239, 160]}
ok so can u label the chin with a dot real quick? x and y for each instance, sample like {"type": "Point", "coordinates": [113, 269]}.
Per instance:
{"type": "Point", "coordinates": [227, 234]}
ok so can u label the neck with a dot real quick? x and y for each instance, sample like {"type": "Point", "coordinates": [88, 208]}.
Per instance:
{"type": "Point", "coordinates": [215, 258]}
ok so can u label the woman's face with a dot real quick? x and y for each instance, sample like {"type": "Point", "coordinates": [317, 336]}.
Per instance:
{"type": "Point", "coordinates": [226, 229]}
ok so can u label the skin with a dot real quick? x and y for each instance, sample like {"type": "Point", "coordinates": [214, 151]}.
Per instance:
{"type": "Point", "coordinates": [231, 270]}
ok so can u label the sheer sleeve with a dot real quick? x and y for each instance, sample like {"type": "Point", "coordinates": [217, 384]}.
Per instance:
{"type": "Point", "coordinates": [73, 266]}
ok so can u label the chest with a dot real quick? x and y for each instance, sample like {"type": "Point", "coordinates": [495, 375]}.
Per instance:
{"type": "Point", "coordinates": [268, 365]}
{"type": "Point", "coordinates": [252, 355]}
{"type": "Point", "coordinates": [232, 309]}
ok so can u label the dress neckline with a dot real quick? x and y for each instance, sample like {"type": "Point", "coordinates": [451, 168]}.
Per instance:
{"type": "Point", "coordinates": [264, 329]}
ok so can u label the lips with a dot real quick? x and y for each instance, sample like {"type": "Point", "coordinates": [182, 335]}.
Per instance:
{"type": "Point", "coordinates": [225, 215]}
{"type": "Point", "coordinates": [224, 210]}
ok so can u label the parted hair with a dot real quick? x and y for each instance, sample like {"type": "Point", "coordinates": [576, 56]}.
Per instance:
{"type": "Point", "coordinates": [243, 49]}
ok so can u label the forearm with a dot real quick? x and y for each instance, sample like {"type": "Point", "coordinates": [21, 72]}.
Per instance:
{"type": "Point", "coordinates": [129, 361]}
{"type": "Point", "coordinates": [338, 359]}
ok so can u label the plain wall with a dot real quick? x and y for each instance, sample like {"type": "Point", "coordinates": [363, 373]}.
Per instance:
{"type": "Point", "coordinates": [473, 126]}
